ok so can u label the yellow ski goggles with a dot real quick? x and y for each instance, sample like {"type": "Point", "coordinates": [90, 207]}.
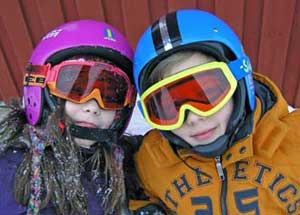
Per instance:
{"type": "Point", "coordinates": [202, 89]}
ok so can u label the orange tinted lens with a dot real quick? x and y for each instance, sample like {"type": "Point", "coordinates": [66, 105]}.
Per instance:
{"type": "Point", "coordinates": [76, 82]}
{"type": "Point", "coordinates": [203, 90]}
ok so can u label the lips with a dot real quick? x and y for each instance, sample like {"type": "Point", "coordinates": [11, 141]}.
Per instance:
{"type": "Point", "coordinates": [86, 124]}
{"type": "Point", "coordinates": [204, 134]}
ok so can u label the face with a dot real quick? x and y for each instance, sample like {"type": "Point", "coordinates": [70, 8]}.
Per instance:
{"type": "Point", "coordinates": [198, 130]}
{"type": "Point", "coordinates": [90, 115]}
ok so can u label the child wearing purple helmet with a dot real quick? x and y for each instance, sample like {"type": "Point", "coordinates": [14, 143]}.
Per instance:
{"type": "Point", "coordinates": [63, 152]}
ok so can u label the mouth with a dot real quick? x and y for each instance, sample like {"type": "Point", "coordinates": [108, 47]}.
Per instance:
{"type": "Point", "coordinates": [86, 124]}
{"type": "Point", "coordinates": [203, 135]}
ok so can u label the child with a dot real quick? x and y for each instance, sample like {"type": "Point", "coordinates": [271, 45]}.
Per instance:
{"type": "Point", "coordinates": [62, 154]}
{"type": "Point", "coordinates": [224, 143]}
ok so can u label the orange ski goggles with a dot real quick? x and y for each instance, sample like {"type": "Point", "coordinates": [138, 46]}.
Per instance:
{"type": "Point", "coordinates": [202, 89]}
{"type": "Point", "coordinates": [80, 81]}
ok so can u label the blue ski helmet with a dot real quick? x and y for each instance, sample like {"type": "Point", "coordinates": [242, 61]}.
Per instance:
{"type": "Point", "coordinates": [199, 31]}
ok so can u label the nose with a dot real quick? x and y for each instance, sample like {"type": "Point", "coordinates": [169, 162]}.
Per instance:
{"type": "Point", "coordinates": [92, 107]}
{"type": "Point", "coordinates": [193, 118]}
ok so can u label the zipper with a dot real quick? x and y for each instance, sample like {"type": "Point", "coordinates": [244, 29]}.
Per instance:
{"type": "Point", "coordinates": [220, 168]}
{"type": "Point", "coordinates": [222, 175]}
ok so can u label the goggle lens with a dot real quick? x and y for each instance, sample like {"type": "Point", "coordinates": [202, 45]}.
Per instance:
{"type": "Point", "coordinates": [76, 82]}
{"type": "Point", "coordinates": [201, 90]}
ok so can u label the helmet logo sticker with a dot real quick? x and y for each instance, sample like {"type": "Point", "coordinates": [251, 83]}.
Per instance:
{"type": "Point", "coordinates": [164, 34]}
{"type": "Point", "coordinates": [109, 35]}
{"type": "Point", "coordinates": [52, 34]}
{"type": "Point", "coordinates": [246, 66]}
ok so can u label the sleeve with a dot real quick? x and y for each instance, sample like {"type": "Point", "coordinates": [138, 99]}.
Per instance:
{"type": "Point", "coordinates": [139, 202]}
{"type": "Point", "coordinates": [8, 166]}
{"type": "Point", "coordinates": [289, 150]}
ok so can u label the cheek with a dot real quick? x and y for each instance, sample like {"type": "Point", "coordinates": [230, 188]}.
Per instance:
{"type": "Point", "coordinates": [70, 109]}
{"type": "Point", "coordinates": [108, 117]}
{"type": "Point", "coordinates": [225, 113]}
{"type": "Point", "coordinates": [180, 132]}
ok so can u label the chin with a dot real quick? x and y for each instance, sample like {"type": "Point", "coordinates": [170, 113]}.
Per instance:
{"type": "Point", "coordinates": [195, 143]}
{"type": "Point", "coordinates": [84, 143]}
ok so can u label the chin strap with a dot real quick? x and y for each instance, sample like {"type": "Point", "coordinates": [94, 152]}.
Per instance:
{"type": "Point", "coordinates": [215, 148]}
{"type": "Point", "coordinates": [107, 136]}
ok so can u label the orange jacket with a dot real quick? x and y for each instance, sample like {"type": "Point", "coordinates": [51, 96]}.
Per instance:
{"type": "Point", "coordinates": [262, 171]}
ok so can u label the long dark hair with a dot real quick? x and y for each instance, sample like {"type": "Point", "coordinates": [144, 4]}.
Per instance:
{"type": "Point", "coordinates": [61, 165]}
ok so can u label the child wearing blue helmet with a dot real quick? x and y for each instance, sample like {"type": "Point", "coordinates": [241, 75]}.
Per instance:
{"type": "Point", "coordinates": [224, 141]}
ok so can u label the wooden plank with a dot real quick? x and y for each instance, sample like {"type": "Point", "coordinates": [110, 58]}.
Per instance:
{"type": "Point", "coordinates": [157, 9]}
{"type": "Point", "coordinates": [33, 21]}
{"type": "Point", "coordinates": [297, 98]}
{"type": "Point", "coordinates": [291, 76]}
{"type": "Point", "coordinates": [252, 29]}
{"type": "Point", "coordinates": [276, 27]}
{"type": "Point", "coordinates": [113, 14]}
{"type": "Point", "coordinates": [91, 9]}
{"type": "Point", "coordinates": [41, 17]}
{"type": "Point", "coordinates": [232, 12]}
{"type": "Point", "coordinates": [208, 6]}
{"type": "Point", "coordinates": [50, 14]}
{"type": "Point", "coordinates": [178, 4]}
{"type": "Point", "coordinates": [69, 10]}
{"type": "Point", "coordinates": [136, 19]}
{"type": "Point", "coordinates": [1, 97]}
{"type": "Point", "coordinates": [15, 40]}
{"type": "Point", "coordinates": [8, 87]}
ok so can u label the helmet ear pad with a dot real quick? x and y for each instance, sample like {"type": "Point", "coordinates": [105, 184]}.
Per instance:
{"type": "Point", "coordinates": [239, 100]}
{"type": "Point", "coordinates": [38, 102]}
{"type": "Point", "coordinates": [34, 102]}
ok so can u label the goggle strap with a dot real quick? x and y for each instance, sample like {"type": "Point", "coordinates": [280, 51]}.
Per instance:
{"type": "Point", "coordinates": [240, 68]}
{"type": "Point", "coordinates": [139, 104]}
{"type": "Point", "coordinates": [36, 75]}
{"type": "Point", "coordinates": [132, 96]}
{"type": "Point", "coordinates": [250, 91]}
{"type": "Point", "coordinates": [108, 136]}
{"type": "Point", "coordinates": [34, 80]}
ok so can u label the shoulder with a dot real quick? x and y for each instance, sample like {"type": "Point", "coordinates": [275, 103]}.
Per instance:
{"type": "Point", "coordinates": [131, 144]}
{"type": "Point", "coordinates": [154, 156]}
{"type": "Point", "coordinates": [287, 154]}
{"type": "Point", "coordinates": [11, 157]}
{"type": "Point", "coordinates": [9, 162]}
{"type": "Point", "coordinates": [136, 162]}
{"type": "Point", "coordinates": [291, 140]}
{"type": "Point", "coordinates": [293, 119]}
{"type": "Point", "coordinates": [156, 148]}
{"type": "Point", "coordinates": [149, 146]}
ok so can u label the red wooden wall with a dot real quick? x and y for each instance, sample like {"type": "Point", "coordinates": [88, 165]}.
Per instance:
{"type": "Point", "coordinates": [269, 30]}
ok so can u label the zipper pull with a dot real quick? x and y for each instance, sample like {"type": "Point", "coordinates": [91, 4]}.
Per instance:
{"type": "Point", "coordinates": [220, 168]}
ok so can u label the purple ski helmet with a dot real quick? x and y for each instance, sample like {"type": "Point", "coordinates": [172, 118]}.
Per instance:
{"type": "Point", "coordinates": [84, 37]}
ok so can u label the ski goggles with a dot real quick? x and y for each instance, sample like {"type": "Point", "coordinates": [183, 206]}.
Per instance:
{"type": "Point", "coordinates": [202, 89]}
{"type": "Point", "coordinates": [80, 81]}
